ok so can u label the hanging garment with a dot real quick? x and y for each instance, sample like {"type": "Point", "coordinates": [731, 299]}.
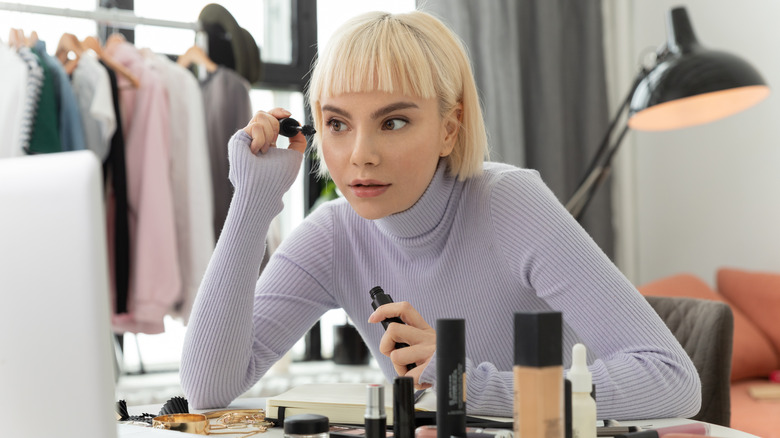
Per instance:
{"type": "Point", "coordinates": [228, 109]}
{"type": "Point", "coordinates": [155, 281]}
{"type": "Point", "coordinates": [71, 131]}
{"type": "Point", "coordinates": [45, 135]}
{"type": "Point", "coordinates": [93, 92]}
{"type": "Point", "coordinates": [116, 206]}
{"type": "Point", "coordinates": [36, 81]}
{"type": "Point", "coordinates": [13, 99]}
{"type": "Point", "coordinates": [190, 177]}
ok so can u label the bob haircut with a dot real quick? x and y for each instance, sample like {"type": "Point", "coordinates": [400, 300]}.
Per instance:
{"type": "Point", "coordinates": [412, 53]}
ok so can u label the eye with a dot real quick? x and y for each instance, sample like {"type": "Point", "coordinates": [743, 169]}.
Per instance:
{"type": "Point", "coordinates": [335, 125]}
{"type": "Point", "coordinates": [393, 124]}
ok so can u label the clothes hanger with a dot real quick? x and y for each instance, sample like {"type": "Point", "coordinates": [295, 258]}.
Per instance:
{"type": "Point", "coordinates": [196, 55]}
{"type": "Point", "coordinates": [32, 39]}
{"type": "Point", "coordinates": [16, 38]}
{"type": "Point", "coordinates": [67, 46]}
{"type": "Point", "coordinates": [93, 44]}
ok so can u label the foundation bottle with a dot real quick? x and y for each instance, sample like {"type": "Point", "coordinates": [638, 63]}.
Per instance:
{"type": "Point", "coordinates": [538, 375]}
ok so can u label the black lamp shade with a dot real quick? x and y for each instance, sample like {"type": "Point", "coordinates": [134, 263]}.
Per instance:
{"type": "Point", "coordinates": [692, 85]}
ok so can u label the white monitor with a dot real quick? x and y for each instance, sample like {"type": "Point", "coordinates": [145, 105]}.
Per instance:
{"type": "Point", "coordinates": [56, 354]}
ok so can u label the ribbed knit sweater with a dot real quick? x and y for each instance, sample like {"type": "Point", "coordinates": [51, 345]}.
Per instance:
{"type": "Point", "coordinates": [480, 249]}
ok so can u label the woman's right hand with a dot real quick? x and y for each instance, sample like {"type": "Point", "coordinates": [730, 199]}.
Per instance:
{"type": "Point", "coordinates": [264, 130]}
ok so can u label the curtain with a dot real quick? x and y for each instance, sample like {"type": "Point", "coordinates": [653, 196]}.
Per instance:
{"type": "Point", "coordinates": [539, 67]}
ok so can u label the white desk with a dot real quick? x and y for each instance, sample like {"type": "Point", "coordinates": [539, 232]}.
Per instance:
{"type": "Point", "coordinates": [130, 431]}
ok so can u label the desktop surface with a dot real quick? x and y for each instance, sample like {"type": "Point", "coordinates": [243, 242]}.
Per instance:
{"type": "Point", "coordinates": [128, 431]}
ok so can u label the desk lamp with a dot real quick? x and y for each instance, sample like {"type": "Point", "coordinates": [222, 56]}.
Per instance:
{"type": "Point", "coordinates": [689, 85]}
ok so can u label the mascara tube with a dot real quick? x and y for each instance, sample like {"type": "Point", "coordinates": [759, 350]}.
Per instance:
{"type": "Point", "coordinates": [380, 298]}
{"type": "Point", "coordinates": [451, 378]}
{"type": "Point", "coordinates": [403, 407]}
{"type": "Point", "coordinates": [376, 416]}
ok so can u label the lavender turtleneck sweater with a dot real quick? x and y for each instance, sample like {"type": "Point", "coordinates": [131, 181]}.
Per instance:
{"type": "Point", "coordinates": [480, 249]}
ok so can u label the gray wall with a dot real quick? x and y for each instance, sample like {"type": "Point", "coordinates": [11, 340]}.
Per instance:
{"type": "Point", "coordinates": [700, 198]}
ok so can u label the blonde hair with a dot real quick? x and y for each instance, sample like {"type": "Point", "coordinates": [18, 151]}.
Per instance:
{"type": "Point", "coordinates": [412, 53]}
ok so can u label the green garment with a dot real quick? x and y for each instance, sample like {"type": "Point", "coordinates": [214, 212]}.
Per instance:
{"type": "Point", "coordinates": [45, 136]}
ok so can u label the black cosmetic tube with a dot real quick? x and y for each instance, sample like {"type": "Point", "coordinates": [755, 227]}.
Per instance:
{"type": "Point", "coordinates": [451, 378]}
{"type": "Point", "coordinates": [380, 298]}
{"type": "Point", "coordinates": [403, 407]}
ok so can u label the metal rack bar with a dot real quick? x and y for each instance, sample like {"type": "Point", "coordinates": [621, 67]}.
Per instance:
{"type": "Point", "coordinates": [115, 17]}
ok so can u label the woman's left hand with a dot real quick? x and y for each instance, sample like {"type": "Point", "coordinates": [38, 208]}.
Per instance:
{"type": "Point", "coordinates": [420, 336]}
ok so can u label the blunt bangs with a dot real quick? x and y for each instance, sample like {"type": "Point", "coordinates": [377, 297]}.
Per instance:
{"type": "Point", "coordinates": [385, 56]}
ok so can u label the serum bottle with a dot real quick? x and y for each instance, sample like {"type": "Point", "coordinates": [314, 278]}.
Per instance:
{"type": "Point", "coordinates": [583, 406]}
{"type": "Point", "coordinates": [538, 375]}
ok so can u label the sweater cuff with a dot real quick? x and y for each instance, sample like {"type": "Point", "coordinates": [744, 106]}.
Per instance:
{"type": "Point", "coordinates": [266, 175]}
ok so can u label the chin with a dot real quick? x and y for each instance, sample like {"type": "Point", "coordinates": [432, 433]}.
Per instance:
{"type": "Point", "coordinates": [369, 212]}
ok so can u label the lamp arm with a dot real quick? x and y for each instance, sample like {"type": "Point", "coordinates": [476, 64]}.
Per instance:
{"type": "Point", "coordinates": [585, 188]}
{"type": "Point", "coordinates": [586, 192]}
{"type": "Point", "coordinates": [603, 146]}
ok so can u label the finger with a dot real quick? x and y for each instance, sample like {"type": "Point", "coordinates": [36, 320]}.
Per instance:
{"type": "Point", "coordinates": [255, 119]}
{"type": "Point", "coordinates": [298, 142]}
{"type": "Point", "coordinates": [257, 132]}
{"type": "Point", "coordinates": [269, 134]}
{"type": "Point", "coordinates": [403, 310]}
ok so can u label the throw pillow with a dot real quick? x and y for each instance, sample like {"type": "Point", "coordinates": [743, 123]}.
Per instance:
{"type": "Point", "coordinates": [752, 353]}
{"type": "Point", "coordinates": [757, 294]}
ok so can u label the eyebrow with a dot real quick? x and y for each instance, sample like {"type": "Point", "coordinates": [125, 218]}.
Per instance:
{"type": "Point", "coordinates": [376, 114]}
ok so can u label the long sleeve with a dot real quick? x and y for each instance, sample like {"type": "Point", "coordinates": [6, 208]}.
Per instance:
{"type": "Point", "coordinates": [641, 371]}
{"type": "Point", "coordinates": [222, 354]}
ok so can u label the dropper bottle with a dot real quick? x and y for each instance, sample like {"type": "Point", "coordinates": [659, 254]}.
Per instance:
{"type": "Point", "coordinates": [583, 407]}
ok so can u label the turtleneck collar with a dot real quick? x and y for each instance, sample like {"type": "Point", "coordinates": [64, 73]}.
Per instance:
{"type": "Point", "coordinates": [428, 214]}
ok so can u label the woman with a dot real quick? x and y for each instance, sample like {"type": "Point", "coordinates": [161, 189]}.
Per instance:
{"type": "Point", "coordinates": [401, 133]}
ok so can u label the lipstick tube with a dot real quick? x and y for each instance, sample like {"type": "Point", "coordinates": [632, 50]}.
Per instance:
{"type": "Point", "coordinates": [375, 417]}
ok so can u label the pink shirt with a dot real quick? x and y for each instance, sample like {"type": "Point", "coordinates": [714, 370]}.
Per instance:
{"type": "Point", "coordinates": [155, 281]}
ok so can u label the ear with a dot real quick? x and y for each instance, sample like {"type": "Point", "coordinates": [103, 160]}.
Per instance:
{"type": "Point", "coordinates": [451, 129]}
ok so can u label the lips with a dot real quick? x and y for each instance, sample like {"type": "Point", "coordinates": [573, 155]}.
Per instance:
{"type": "Point", "coordinates": [368, 188]}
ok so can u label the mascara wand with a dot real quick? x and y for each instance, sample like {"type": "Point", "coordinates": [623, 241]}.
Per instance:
{"type": "Point", "coordinates": [290, 127]}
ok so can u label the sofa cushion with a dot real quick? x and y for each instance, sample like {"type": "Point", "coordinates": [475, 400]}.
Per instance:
{"type": "Point", "coordinates": [757, 295]}
{"type": "Point", "coordinates": [758, 417]}
{"type": "Point", "coordinates": [752, 354]}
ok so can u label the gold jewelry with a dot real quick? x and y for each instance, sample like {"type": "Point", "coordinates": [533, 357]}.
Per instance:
{"type": "Point", "coordinates": [190, 423]}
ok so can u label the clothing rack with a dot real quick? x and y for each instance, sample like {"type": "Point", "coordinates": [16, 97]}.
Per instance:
{"type": "Point", "coordinates": [113, 16]}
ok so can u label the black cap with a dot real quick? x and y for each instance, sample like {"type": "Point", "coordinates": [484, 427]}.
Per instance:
{"type": "Point", "coordinates": [403, 407]}
{"type": "Point", "coordinates": [538, 339]}
{"type": "Point", "coordinates": [306, 424]}
{"type": "Point", "coordinates": [640, 434]}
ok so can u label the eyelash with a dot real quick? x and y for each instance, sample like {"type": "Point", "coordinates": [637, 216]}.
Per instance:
{"type": "Point", "coordinates": [332, 122]}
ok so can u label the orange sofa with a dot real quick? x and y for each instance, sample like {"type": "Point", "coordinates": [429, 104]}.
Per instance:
{"type": "Point", "coordinates": [754, 298]}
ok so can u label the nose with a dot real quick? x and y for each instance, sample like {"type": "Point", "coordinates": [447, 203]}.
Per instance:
{"type": "Point", "coordinates": [365, 151]}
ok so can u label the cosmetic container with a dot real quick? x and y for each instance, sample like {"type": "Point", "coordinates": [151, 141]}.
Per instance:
{"type": "Point", "coordinates": [376, 415]}
{"type": "Point", "coordinates": [403, 407]}
{"type": "Point", "coordinates": [686, 430]}
{"type": "Point", "coordinates": [306, 426]}
{"type": "Point", "coordinates": [538, 375]}
{"type": "Point", "coordinates": [451, 378]}
{"type": "Point", "coordinates": [583, 407]}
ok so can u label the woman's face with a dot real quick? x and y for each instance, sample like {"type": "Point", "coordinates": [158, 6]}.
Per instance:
{"type": "Point", "coordinates": [381, 149]}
